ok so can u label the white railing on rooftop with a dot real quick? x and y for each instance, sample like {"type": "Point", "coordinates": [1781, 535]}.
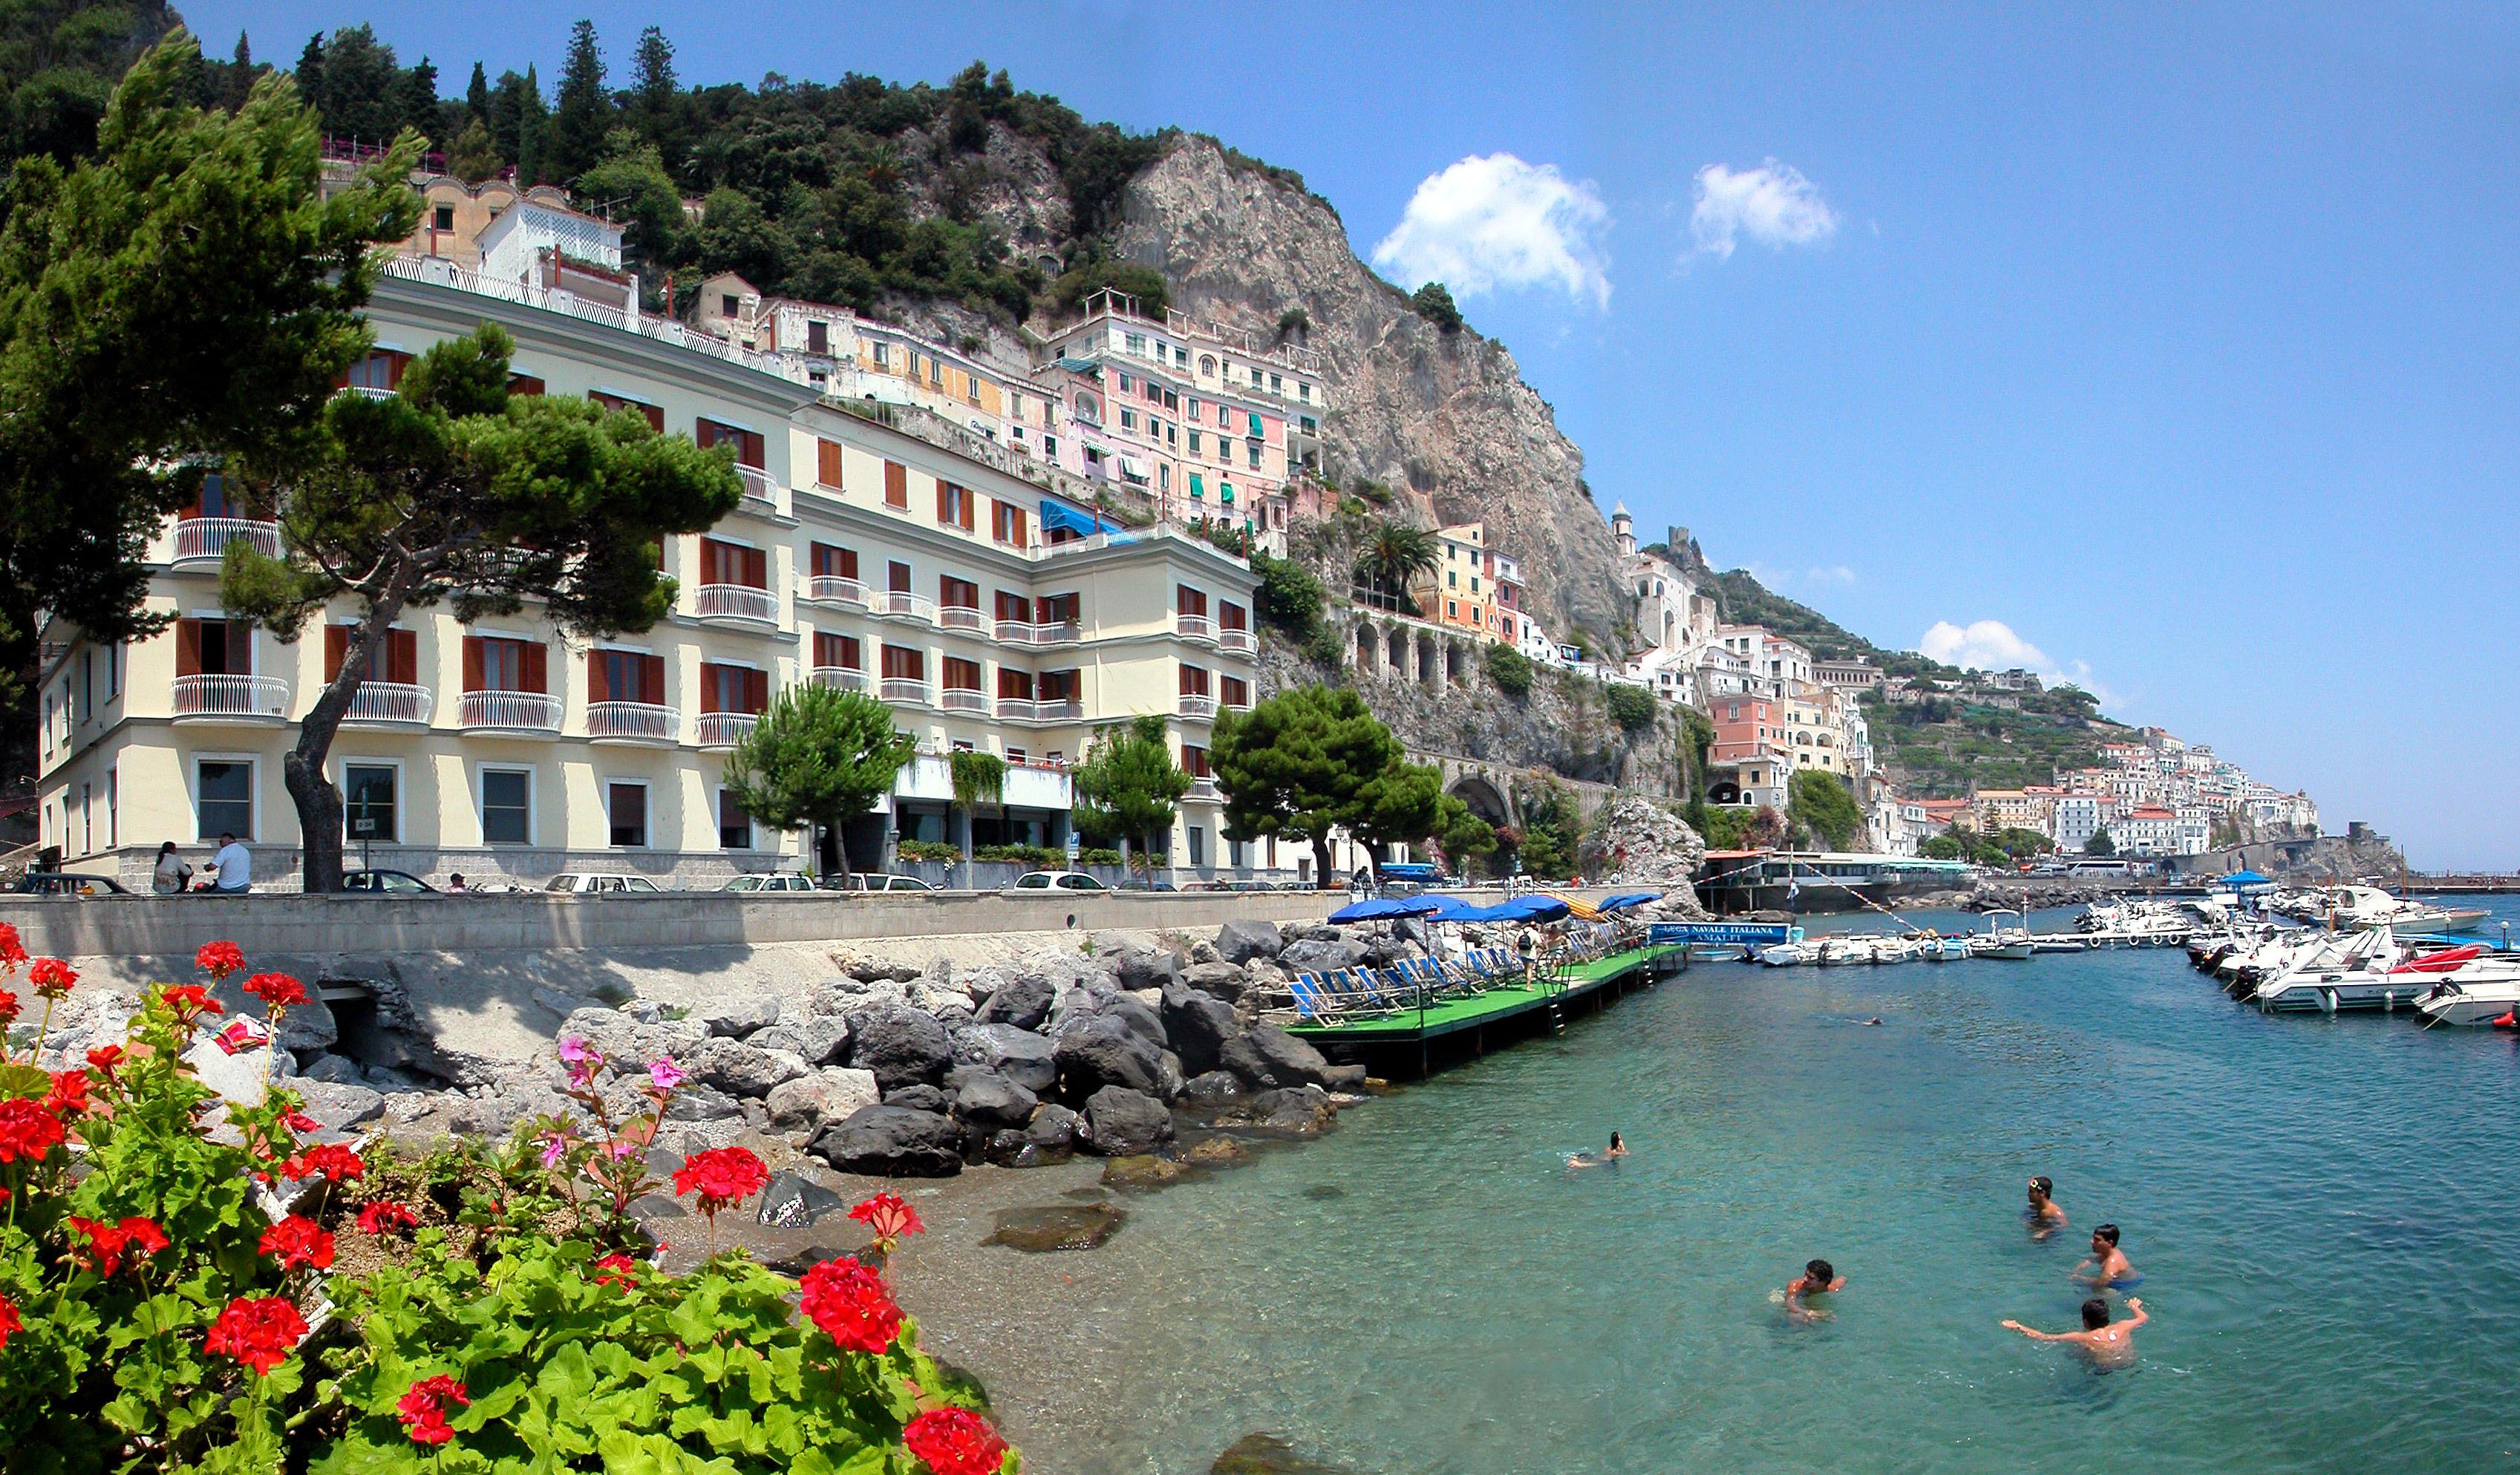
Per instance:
{"type": "Point", "coordinates": [209, 537]}
{"type": "Point", "coordinates": [393, 701]}
{"type": "Point", "coordinates": [508, 711]}
{"type": "Point", "coordinates": [736, 602]}
{"type": "Point", "coordinates": [441, 272]}
{"type": "Point", "coordinates": [216, 695]}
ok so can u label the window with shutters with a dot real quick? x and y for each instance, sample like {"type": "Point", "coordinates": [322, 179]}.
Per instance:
{"type": "Point", "coordinates": [734, 825]}
{"type": "Point", "coordinates": [1056, 609]}
{"type": "Point", "coordinates": [1008, 524]}
{"type": "Point", "coordinates": [655, 415]}
{"type": "Point", "coordinates": [1015, 684]}
{"type": "Point", "coordinates": [625, 676]}
{"type": "Point", "coordinates": [829, 462]}
{"type": "Point", "coordinates": [1231, 617]}
{"type": "Point", "coordinates": [1193, 681]}
{"type": "Point", "coordinates": [829, 561]}
{"type": "Point", "coordinates": [380, 370]}
{"type": "Point", "coordinates": [897, 576]}
{"type": "Point", "coordinates": [897, 484]}
{"type": "Point", "coordinates": [1189, 600]}
{"type": "Point", "coordinates": [525, 385]}
{"type": "Point", "coordinates": [817, 338]}
{"type": "Point", "coordinates": [841, 650]}
{"type": "Point", "coordinates": [214, 647]}
{"type": "Point", "coordinates": [956, 594]}
{"type": "Point", "coordinates": [903, 663]}
{"type": "Point", "coordinates": [1013, 608]}
{"type": "Point", "coordinates": [732, 688]}
{"type": "Point", "coordinates": [1193, 762]}
{"type": "Point", "coordinates": [394, 657]}
{"type": "Point", "coordinates": [961, 675]}
{"type": "Point", "coordinates": [1254, 448]}
{"type": "Point", "coordinates": [723, 563]}
{"type": "Point", "coordinates": [1061, 686]}
{"type": "Point", "coordinates": [626, 806]}
{"type": "Point", "coordinates": [953, 506]}
{"type": "Point", "coordinates": [747, 445]}
{"type": "Point", "coordinates": [499, 663]}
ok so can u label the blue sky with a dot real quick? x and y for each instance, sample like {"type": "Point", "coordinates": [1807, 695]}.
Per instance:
{"type": "Point", "coordinates": [2177, 344]}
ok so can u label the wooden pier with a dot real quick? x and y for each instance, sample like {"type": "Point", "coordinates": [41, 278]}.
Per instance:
{"type": "Point", "coordinates": [1448, 1028]}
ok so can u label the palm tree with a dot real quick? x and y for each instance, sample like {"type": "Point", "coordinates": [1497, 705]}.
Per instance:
{"type": "Point", "coordinates": [1392, 559]}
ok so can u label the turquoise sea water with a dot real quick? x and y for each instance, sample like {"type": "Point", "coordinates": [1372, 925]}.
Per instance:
{"type": "Point", "coordinates": [2322, 1209]}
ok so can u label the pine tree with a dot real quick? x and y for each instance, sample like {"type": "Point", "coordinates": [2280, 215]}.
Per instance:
{"type": "Point", "coordinates": [310, 77]}
{"type": "Point", "coordinates": [585, 113]}
{"type": "Point", "coordinates": [651, 77]}
{"type": "Point", "coordinates": [533, 134]}
{"type": "Point", "coordinates": [240, 75]}
{"type": "Point", "coordinates": [477, 97]}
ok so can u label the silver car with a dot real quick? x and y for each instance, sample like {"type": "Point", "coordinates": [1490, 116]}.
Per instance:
{"type": "Point", "coordinates": [1056, 880]}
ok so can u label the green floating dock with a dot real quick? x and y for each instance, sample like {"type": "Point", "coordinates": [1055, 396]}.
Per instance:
{"type": "Point", "coordinates": [1502, 1011]}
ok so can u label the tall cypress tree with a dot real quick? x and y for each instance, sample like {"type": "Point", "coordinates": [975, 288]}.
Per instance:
{"type": "Point", "coordinates": [240, 76]}
{"type": "Point", "coordinates": [310, 75]}
{"type": "Point", "coordinates": [533, 134]}
{"type": "Point", "coordinates": [477, 97]}
{"type": "Point", "coordinates": [585, 111]}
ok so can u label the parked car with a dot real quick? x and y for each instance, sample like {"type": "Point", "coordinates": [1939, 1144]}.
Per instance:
{"type": "Point", "coordinates": [385, 883]}
{"type": "Point", "coordinates": [773, 881]}
{"type": "Point", "coordinates": [1056, 880]}
{"type": "Point", "coordinates": [597, 884]}
{"type": "Point", "coordinates": [68, 883]}
{"type": "Point", "coordinates": [876, 882]}
{"type": "Point", "coordinates": [1146, 883]}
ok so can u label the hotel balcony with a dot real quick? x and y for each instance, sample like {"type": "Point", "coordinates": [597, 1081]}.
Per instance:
{"type": "Point", "coordinates": [1233, 704]}
{"type": "Point", "coordinates": [645, 723]}
{"type": "Point", "coordinates": [735, 604]}
{"type": "Point", "coordinates": [830, 589]}
{"type": "Point", "coordinates": [250, 699]}
{"type": "Point", "coordinates": [900, 604]}
{"type": "Point", "coordinates": [516, 714]}
{"type": "Point", "coordinates": [1241, 642]}
{"type": "Point", "coordinates": [960, 617]}
{"type": "Point", "coordinates": [964, 700]}
{"type": "Point", "coordinates": [205, 540]}
{"type": "Point", "coordinates": [904, 692]}
{"type": "Point", "coordinates": [760, 495]}
{"type": "Point", "coordinates": [1198, 706]}
{"type": "Point", "coordinates": [1203, 791]}
{"type": "Point", "coordinates": [839, 678]}
{"type": "Point", "coordinates": [1194, 627]}
{"type": "Point", "coordinates": [725, 729]}
{"type": "Point", "coordinates": [1028, 709]}
{"type": "Point", "coordinates": [390, 705]}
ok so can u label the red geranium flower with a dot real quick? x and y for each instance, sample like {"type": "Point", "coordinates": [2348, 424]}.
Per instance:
{"type": "Point", "coordinates": [27, 1130]}
{"type": "Point", "coordinates": [104, 1057]}
{"type": "Point", "coordinates": [11, 950]}
{"type": "Point", "coordinates": [891, 1217]}
{"type": "Point", "coordinates": [219, 959]}
{"type": "Point", "coordinates": [298, 1241]}
{"type": "Point", "coordinates": [8, 1008]}
{"type": "Point", "coordinates": [140, 1237]}
{"type": "Point", "coordinates": [385, 1216]}
{"type": "Point", "coordinates": [257, 1330]}
{"type": "Point", "coordinates": [850, 1304]}
{"type": "Point", "coordinates": [298, 1121]}
{"type": "Point", "coordinates": [9, 1321]}
{"type": "Point", "coordinates": [722, 1177]}
{"type": "Point", "coordinates": [424, 1408]}
{"type": "Point", "coordinates": [277, 990]}
{"type": "Point", "coordinates": [52, 977]}
{"type": "Point", "coordinates": [334, 1161]}
{"type": "Point", "coordinates": [189, 1001]}
{"type": "Point", "coordinates": [617, 1269]}
{"type": "Point", "coordinates": [956, 1442]}
{"type": "Point", "coordinates": [68, 1096]}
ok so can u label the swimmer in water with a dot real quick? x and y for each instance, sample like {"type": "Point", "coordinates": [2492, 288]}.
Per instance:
{"type": "Point", "coordinates": [1818, 1277]}
{"type": "Point", "coordinates": [2107, 1341]}
{"type": "Point", "coordinates": [2108, 1265]}
{"type": "Point", "coordinates": [2042, 1216]}
{"type": "Point", "coordinates": [1610, 1155]}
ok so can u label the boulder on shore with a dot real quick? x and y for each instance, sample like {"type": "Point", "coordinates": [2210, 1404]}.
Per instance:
{"type": "Point", "coordinates": [1197, 1025]}
{"type": "Point", "coordinates": [738, 1017]}
{"type": "Point", "coordinates": [1103, 1051]}
{"type": "Point", "coordinates": [1311, 957]}
{"type": "Point", "coordinates": [985, 1098]}
{"type": "Point", "coordinates": [1023, 1003]}
{"type": "Point", "coordinates": [818, 1039]}
{"type": "Point", "coordinates": [1120, 1122]}
{"type": "Point", "coordinates": [900, 1044]}
{"type": "Point", "coordinates": [737, 1067]}
{"type": "Point", "coordinates": [1018, 1054]}
{"type": "Point", "coordinates": [894, 1141]}
{"type": "Point", "coordinates": [830, 1095]}
{"type": "Point", "coordinates": [1239, 942]}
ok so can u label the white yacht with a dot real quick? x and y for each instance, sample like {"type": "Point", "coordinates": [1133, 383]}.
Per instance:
{"type": "Point", "coordinates": [2356, 907]}
{"type": "Point", "coordinates": [2362, 970]}
{"type": "Point", "coordinates": [2475, 995]}
{"type": "Point", "coordinates": [2000, 941]}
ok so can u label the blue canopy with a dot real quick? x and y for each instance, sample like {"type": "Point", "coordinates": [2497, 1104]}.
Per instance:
{"type": "Point", "coordinates": [1451, 908]}
{"type": "Point", "coordinates": [1381, 906]}
{"type": "Point", "coordinates": [2242, 878]}
{"type": "Point", "coordinates": [1627, 899]}
{"type": "Point", "coordinates": [1063, 516]}
{"type": "Point", "coordinates": [1527, 909]}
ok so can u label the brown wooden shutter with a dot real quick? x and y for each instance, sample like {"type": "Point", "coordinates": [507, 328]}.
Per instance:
{"type": "Point", "coordinates": [827, 463]}
{"type": "Point", "coordinates": [471, 663]}
{"type": "Point", "coordinates": [896, 483]}
{"type": "Point", "coordinates": [240, 648]}
{"type": "Point", "coordinates": [536, 675]}
{"type": "Point", "coordinates": [944, 514]}
{"type": "Point", "coordinates": [337, 645]}
{"type": "Point", "coordinates": [848, 563]}
{"type": "Point", "coordinates": [1024, 528]}
{"type": "Point", "coordinates": [756, 690]}
{"type": "Point", "coordinates": [756, 567]}
{"type": "Point", "coordinates": [402, 657]}
{"type": "Point", "coordinates": [709, 687]}
{"type": "Point", "coordinates": [188, 648]}
{"type": "Point", "coordinates": [599, 686]}
{"type": "Point", "coordinates": [656, 416]}
{"type": "Point", "coordinates": [653, 686]}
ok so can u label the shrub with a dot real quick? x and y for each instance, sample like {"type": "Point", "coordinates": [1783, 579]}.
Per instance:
{"type": "Point", "coordinates": [1037, 857]}
{"type": "Point", "coordinates": [1631, 708]}
{"type": "Point", "coordinates": [155, 1317]}
{"type": "Point", "coordinates": [1509, 669]}
{"type": "Point", "coordinates": [928, 850]}
{"type": "Point", "coordinates": [1324, 648]}
{"type": "Point", "coordinates": [1434, 302]}
{"type": "Point", "coordinates": [1289, 597]}
{"type": "Point", "coordinates": [1096, 855]}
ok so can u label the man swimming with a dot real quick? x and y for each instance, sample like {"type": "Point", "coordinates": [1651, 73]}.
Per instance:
{"type": "Point", "coordinates": [2042, 1216]}
{"type": "Point", "coordinates": [2108, 1265]}
{"type": "Point", "coordinates": [2106, 1341]}
{"type": "Point", "coordinates": [1819, 1276]}
{"type": "Point", "coordinates": [1610, 1155]}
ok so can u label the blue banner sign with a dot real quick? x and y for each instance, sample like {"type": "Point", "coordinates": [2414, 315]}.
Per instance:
{"type": "Point", "coordinates": [1749, 934]}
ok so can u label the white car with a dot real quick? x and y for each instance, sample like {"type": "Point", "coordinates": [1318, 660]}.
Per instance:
{"type": "Point", "coordinates": [774, 881]}
{"type": "Point", "coordinates": [863, 881]}
{"type": "Point", "coordinates": [1056, 880]}
{"type": "Point", "coordinates": [599, 883]}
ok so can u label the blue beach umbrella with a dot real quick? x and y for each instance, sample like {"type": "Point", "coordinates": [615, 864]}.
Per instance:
{"type": "Point", "coordinates": [1627, 899]}
{"type": "Point", "coordinates": [1381, 907]}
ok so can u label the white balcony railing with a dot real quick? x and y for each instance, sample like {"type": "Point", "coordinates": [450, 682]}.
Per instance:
{"type": "Point", "coordinates": [839, 678]}
{"type": "Point", "coordinates": [1016, 708]}
{"type": "Point", "coordinates": [255, 697]}
{"type": "Point", "coordinates": [1193, 704]}
{"type": "Point", "coordinates": [1201, 791]}
{"type": "Point", "coordinates": [758, 494]}
{"type": "Point", "coordinates": [1014, 633]}
{"type": "Point", "coordinates": [835, 590]}
{"type": "Point", "coordinates": [725, 729]}
{"type": "Point", "coordinates": [508, 712]}
{"type": "Point", "coordinates": [900, 604]}
{"type": "Point", "coordinates": [391, 701]}
{"type": "Point", "coordinates": [1194, 627]}
{"type": "Point", "coordinates": [1065, 709]}
{"type": "Point", "coordinates": [963, 699]}
{"type": "Point", "coordinates": [632, 722]}
{"type": "Point", "coordinates": [365, 392]}
{"type": "Point", "coordinates": [1056, 633]}
{"type": "Point", "coordinates": [902, 689]}
{"type": "Point", "coordinates": [1239, 640]}
{"type": "Point", "coordinates": [1240, 703]}
{"type": "Point", "coordinates": [960, 617]}
{"type": "Point", "coordinates": [736, 602]}
{"type": "Point", "coordinates": [209, 537]}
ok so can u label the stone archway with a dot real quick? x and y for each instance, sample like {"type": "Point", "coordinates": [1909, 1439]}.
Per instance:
{"type": "Point", "coordinates": [1486, 800]}
{"type": "Point", "coordinates": [1457, 662]}
{"type": "Point", "coordinates": [1429, 668]}
{"type": "Point", "coordinates": [1398, 651]}
{"type": "Point", "coordinates": [1366, 649]}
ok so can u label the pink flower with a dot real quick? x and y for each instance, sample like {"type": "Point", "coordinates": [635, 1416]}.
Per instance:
{"type": "Point", "coordinates": [576, 1052]}
{"type": "Point", "coordinates": [555, 1148]}
{"type": "Point", "coordinates": [665, 1074]}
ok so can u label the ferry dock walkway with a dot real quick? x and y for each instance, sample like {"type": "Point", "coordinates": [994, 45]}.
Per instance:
{"type": "Point", "coordinates": [1453, 1027]}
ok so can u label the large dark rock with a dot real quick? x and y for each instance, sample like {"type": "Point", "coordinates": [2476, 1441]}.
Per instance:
{"type": "Point", "coordinates": [1059, 1227]}
{"type": "Point", "coordinates": [1241, 1059]}
{"type": "Point", "coordinates": [900, 1044]}
{"type": "Point", "coordinates": [1213, 1089]}
{"type": "Point", "coordinates": [1298, 1113]}
{"type": "Point", "coordinates": [985, 1098]}
{"type": "Point", "coordinates": [1292, 1062]}
{"type": "Point", "coordinates": [816, 1038]}
{"type": "Point", "coordinates": [1023, 1003]}
{"type": "Point", "coordinates": [1348, 1078]}
{"type": "Point", "coordinates": [793, 1199]}
{"type": "Point", "coordinates": [1239, 942]}
{"type": "Point", "coordinates": [1309, 956]}
{"type": "Point", "coordinates": [1053, 1129]}
{"type": "Point", "coordinates": [1139, 968]}
{"type": "Point", "coordinates": [1197, 1026]}
{"type": "Point", "coordinates": [917, 1096]}
{"type": "Point", "coordinates": [1143, 1019]}
{"type": "Point", "coordinates": [738, 1017]}
{"type": "Point", "coordinates": [739, 1068]}
{"type": "Point", "coordinates": [1018, 1054]}
{"type": "Point", "coordinates": [694, 1103]}
{"type": "Point", "coordinates": [1120, 1122]}
{"type": "Point", "coordinates": [1224, 980]}
{"type": "Point", "coordinates": [1102, 1052]}
{"type": "Point", "coordinates": [894, 1141]}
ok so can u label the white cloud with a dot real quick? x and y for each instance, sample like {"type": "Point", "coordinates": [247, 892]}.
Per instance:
{"type": "Point", "coordinates": [1772, 204]}
{"type": "Point", "coordinates": [1835, 573]}
{"type": "Point", "coordinates": [1986, 645]}
{"type": "Point", "coordinates": [1496, 222]}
